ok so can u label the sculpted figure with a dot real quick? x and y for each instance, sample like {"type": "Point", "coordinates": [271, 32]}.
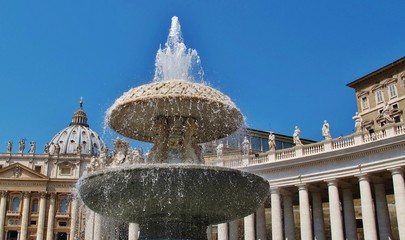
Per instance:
{"type": "Point", "coordinates": [245, 146]}
{"type": "Point", "coordinates": [386, 113]}
{"type": "Point", "coordinates": [22, 145]}
{"type": "Point", "coordinates": [326, 130]}
{"type": "Point", "coordinates": [357, 122]}
{"type": "Point", "coordinates": [32, 147]}
{"type": "Point", "coordinates": [9, 146]}
{"type": "Point", "coordinates": [46, 148]}
{"type": "Point", "coordinates": [296, 136]}
{"type": "Point", "coordinates": [272, 141]}
{"type": "Point", "coordinates": [57, 148]}
{"type": "Point", "coordinates": [220, 150]}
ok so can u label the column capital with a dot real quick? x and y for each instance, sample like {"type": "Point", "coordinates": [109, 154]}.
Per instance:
{"type": "Point", "coordinates": [274, 190]}
{"type": "Point", "coordinates": [43, 194]}
{"type": "Point", "coordinates": [362, 177]}
{"type": "Point", "coordinates": [396, 170]}
{"type": "Point", "coordinates": [331, 182]}
{"type": "Point", "coordinates": [3, 193]}
{"type": "Point", "coordinates": [26, 194]}
{"type": "Point", "coordinates": [302, 186]}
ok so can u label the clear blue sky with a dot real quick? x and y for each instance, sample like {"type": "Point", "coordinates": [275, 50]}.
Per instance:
{"type": "Point", "coordinates": [284, 63]}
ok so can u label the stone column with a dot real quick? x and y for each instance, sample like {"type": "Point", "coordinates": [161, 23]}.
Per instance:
{"type": "Point", "coordinates": [223, 231]}
{"type": "Point", "coordinates": [367, 208]}
{"type": "Point", "coordinates": [349, 214]}
{"type": "Point", "coordinates": [399, 195]}
{"type": "Point", "coordinates": [317, 212]}
{"type": "Point", "coordinates": [261, 223]}
{"type": "Point", "coordinates": [51, 217]}
{"type": "Point", "coordinates": [234, 230]}
{"type": "Point", "coordinates": [25, 216]}
{"type": "Point", "coordinates": [209, 232]}
{"type": "Point", "coordinates": [250, 227]}
{"type": "Point", "coordinates": [74, 219]}
{"type": "Point", "coordinates": [288, 211]}
{"type": "Point", "coordinates": [133, 230]}
{"type": "Point", "coordinates": [383, 216]}
{"type": "Point", "coordinates": [41, 217]}
{"type": "Point", "coordinates": [305, 213]}
{"type": "Point", "coordinates": [335, 213]}
{"type": "Point", "coordinates": [97, 231]}
{"type": "Point", "coordinates": [276, 215]}
{"type": "Point", "coordinates": [3, 204]}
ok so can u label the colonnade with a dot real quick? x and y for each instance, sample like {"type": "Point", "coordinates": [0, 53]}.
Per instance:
{"type": "Point", "coordinates": [374, 212]}
{"type": "Point", "coordinates": [24, 216]}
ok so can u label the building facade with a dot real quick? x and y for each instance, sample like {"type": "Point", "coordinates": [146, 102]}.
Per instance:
{"type": "Point", "coordinates": [351, 187]}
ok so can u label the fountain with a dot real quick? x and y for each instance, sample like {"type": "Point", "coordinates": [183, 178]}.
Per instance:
{"type": "Point", "coordinates": [174, 195]}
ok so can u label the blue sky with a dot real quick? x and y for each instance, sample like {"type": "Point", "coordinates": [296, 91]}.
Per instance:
{"type": "Point", "coordinates": [284, 63]}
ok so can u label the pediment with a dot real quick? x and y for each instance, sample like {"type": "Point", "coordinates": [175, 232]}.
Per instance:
{"type": "Point", "coordinates": [19, 171]}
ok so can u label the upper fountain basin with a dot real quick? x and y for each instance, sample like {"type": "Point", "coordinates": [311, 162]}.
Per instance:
{"type": "Point", "coordinates": [134, 114]}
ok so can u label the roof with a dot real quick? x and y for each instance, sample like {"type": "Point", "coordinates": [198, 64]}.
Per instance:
{"type": "Point", "coordinates": [376, 72]}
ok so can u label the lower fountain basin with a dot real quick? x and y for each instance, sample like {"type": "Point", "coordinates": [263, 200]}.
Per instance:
{"type": "Point", "coordinates": [168, 199]}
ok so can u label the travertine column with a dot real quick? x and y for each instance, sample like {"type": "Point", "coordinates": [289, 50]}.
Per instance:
{"type": "Point", "coordinates": [305, 213]}
{"type": "Point", "coordinates": [276, 215]}
{"type": "Point", "coordinates": [223, 231]}
{"type": "Point", "coordinates": [41, 217]}
{"type": "Point", "coordinates": [234, 230]}
{"type": "Point", "coordinates": [51, 217]}
{"type": "Point", "coordinates": [3, 203]}
{"type": "Point", "coordinates": [399, 194]}
{"type": "Point", "coordinates": [74, 220]}
{"type": "Point", "coordinates": [133, 230]}
{"type": "Point", "coordinates": [97, 227]}
{"type": "Point", "coordinates": [261, 223]}
{"type": "Point", "coordinates": [288, 211]}
{"type": "Point", "coordinates": [349, 214]}
{"type": "Point", "coordinates": [367, 208]}
{"type": "Point", "coordinates": [317, 212]}
{"type": "Point", "coordinates": [209, 232]}
{"type": "Point", "coordinates": [25, 216]}
{"type": "Point", "coordinates": [383, 216]}
{"type": "Point", "coordinates": [335, 213]}
{"type": "Point", "coordinates": [250, 227]}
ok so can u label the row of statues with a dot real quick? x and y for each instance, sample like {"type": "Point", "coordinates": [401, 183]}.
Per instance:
{"type": "Point", "coordinates": [121, 155]}
{"type": "Point", "coordinates": [21, 147]}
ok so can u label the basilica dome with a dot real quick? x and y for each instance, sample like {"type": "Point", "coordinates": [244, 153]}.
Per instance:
{"type": "Point", "coordinates": [77, 137]}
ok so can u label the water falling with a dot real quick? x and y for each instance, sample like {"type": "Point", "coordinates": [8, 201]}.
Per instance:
{"type": "Point", "coordinates": [176, 61]}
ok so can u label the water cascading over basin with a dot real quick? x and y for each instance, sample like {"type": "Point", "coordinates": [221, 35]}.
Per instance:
{"type": "Point", "coordinates": [174, 195]}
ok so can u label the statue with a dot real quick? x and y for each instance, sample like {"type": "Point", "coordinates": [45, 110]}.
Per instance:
{"type": "Point", "coordinates": [296, 136]}
{"type": "Point", "coordinates": [272, 141]}
{"type": "Point", "coordinates": [358, 122]}
{"type": "Point", "coordinates": [32, 148]}
{"type": "Point", "coordinates": [220, 150]}
{"type": "Point", "coordinates": [9, 146]}
{"type": "Point", "coordinates": [326, 130]}
{"type": "Point", "coordinates": [22, 145]}
{"type": "Point", "coordinates": [46, 148]}
{"type": "Point", "coordinates": [121, 148]}
{"type": "Point", "coordinates": [57, 148]}
{"type": "Point", "coordinates": [94, 165]}
{"type": "Point", "coordinates": [385, 114]}
{"type": "Point", "coordinates": [102, 159]}
{"type": "Point", "coordinates": [79, 149]}
{"type": "Point", "coordinates": [245, 146]}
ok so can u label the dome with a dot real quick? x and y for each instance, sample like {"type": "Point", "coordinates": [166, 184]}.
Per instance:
{"type": "Point", "coordinates": [77, 137]}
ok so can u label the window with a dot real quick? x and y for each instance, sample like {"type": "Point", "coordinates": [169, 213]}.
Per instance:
{"type": "Point", "coordinates": [392, 89]}
{"type": "Point", "coordinates": [364, 102]}
{"type": "Point", "coordinates": [64, 204]}
{"type": "Point", "coordinates": [34, 206]}
{"type": "Point", "coordinates": [66, 170]}
{"type": "Point", "coordinates": [38, 169]}
{"type": "Point", "coordinates": [15, 205]}
{"type": "Point", "coordinates": [379, 96]}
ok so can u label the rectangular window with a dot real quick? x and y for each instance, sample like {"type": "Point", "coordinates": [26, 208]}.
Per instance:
{"type": "Point", "coordinates": [392, 89]}
{"type": "Point", "coordinates": [66, 171]}
{"type": "Point", "coordinates": [38, 169]}
{"type": "Point", "coordinates": [379, 97]}
{"type": "Point", "coordinates": [364, 102]}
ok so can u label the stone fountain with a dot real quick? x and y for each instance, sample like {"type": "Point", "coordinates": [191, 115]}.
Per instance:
{"type": "Point", "coordinates": [174, 195]}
